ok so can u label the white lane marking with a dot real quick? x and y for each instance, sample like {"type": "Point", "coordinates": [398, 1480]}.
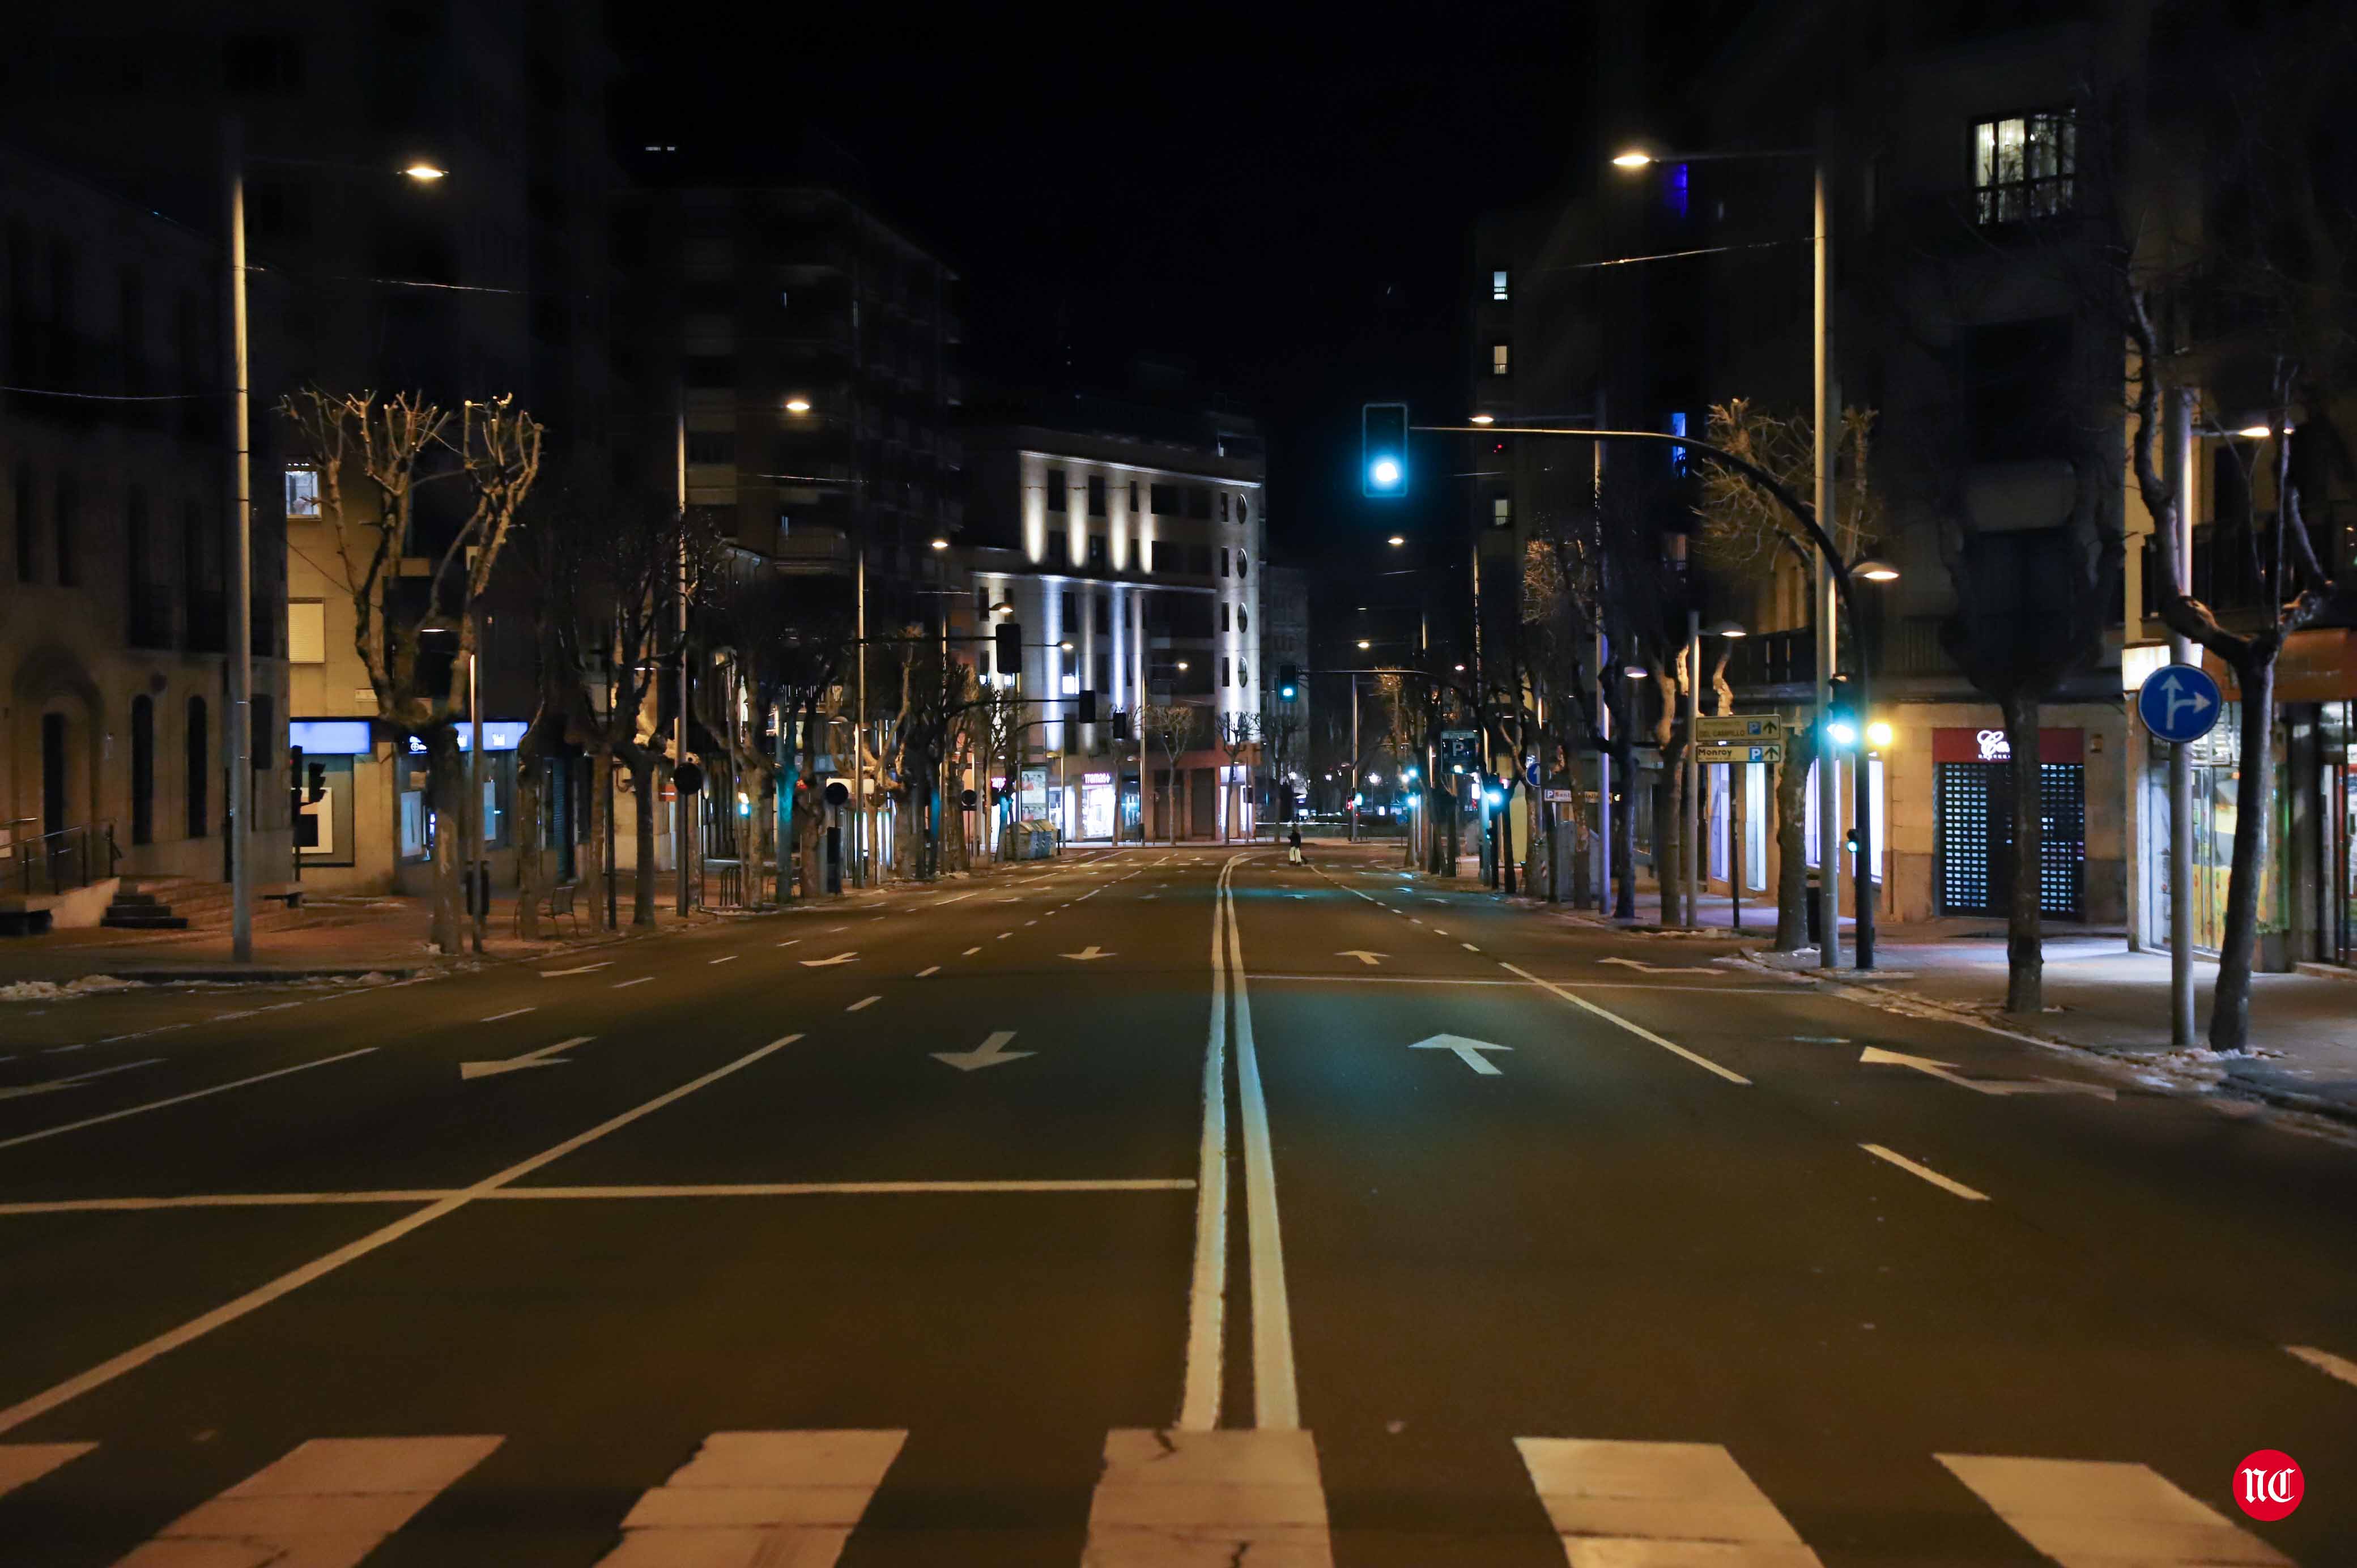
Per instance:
{"type": "Point", "coordinates": [751, 1498]}
{"type": "Point", "coordinates": [1089, 954]}
{"type": "Point", "coordinates": [934, 969]}
{"type": "Point", "coordinates": [2325, 1362]}
{"type": "Point", "coordinates": [176, 1099]}
{"type": "Point", "coordinates": [511, 1013]}
{"type": "Point", "coordinates": [992, 1052]}
{"type": "Point", "coordinates": [969, 952]}
{"type": "Point", "coordinates": [1642, 967]}
{"type": "Point", "coordinates": [1637, 1029]}
{"type": "Point", "coordinates": [1277, 1398]}
{"type": "Point", "coordinates": [1207, 1289]}
{"type": "Point", "coordinates": [830, 963]}
{"type": "Point", "coordinates": [1614, 1503]}
{"type": "Point", "coordinates": [76, 1082]}
{"type": "Point", "coordinates": [729, 957]}
{"type": "Point", "coordinates": [580, 1194]}
{"type": "Point", "coordinates": [1330, 978]}
{"type": "Point", "coordinates": [1438, 932]}
{"type": "Point", "coordinates": [1192, 1497]}
{"type": "Point", "coordinates": [789, 942]}
{"type": "Point", "coordinates": [1031, 922]}
{"type": "Point", "coordinates": [1372, 960]}
{"type": "Point", "coordinates": [863, 1002]}
{"type": "Point", "coordinates": [1004, 935]}
{"type": "Point", "coordinates": [1875, 1055]}
{"type": "Point", "coordinates": [583, 969]}
{"type": "Point", "coordinates": [60, 1051]}
{"type": "Point", "coordinates": [1468, 1051]}
{"type": "Point", "coordinates": [2088, 1513]}
{"type": "Point", "coordinates": [833, 931]}
{"type": "Point", "coordinates": [955, 897]}
{"type": "Point", "coordinates": [197, 1327]}
{"type": "Point", "coordinates": [21, 1464]}
{"type": "Point", "coordinates": [329, 1502]}
{"type": "Point", "coordinates": [1469, 947]}
{"type": "Point", "coordinates": [626, 984]}
{"type": "Point", "coordinates": [469, 1071]}
{"type": "Point", "coordinates": [1945, 1184]}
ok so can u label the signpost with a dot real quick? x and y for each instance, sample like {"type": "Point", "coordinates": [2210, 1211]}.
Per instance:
{"type": "Point", "coordinates": [2178, 703]}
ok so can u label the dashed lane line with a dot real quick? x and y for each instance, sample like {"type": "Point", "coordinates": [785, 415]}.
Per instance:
{"type": "Point", "coordinates": [1945, 1184]}
{"type": "Point", "coordinates": [863, 1002]}
{"type": "Point", "coordinates": [626, 984]}
{"type": "Point", "coordinates": [923, 973]}
{"type": "Point", "coordinates": [969, 952]}
{"type": "Point", "coordinates": [511, 1013]}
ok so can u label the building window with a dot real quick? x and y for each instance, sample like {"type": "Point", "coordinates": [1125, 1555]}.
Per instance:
{"type": "Point", "coordinates": [143, 769]}
{"type": "Point", "coordinates": [1243, 619]}
{"type": "Point", "coordinates": [1169, 557]}
{"type": "Point", "coordinates": [68, 508]}
{"type": "Point", "coordinates": [1199, 502]}
{"type": "Point", "coordinates": [1243, 673]}
{"type": "Point", "coordinates": [702, 447]}
{"type": "Point", "coordinates": [1104, 616]}
{"type": "Point", "coordinates": [1166, 500]}
{"type": "Point", "coordinates": [1133, 495]}
{"type": "Point", "coordinates": [198, 753]}
{"type": "Point", "coordinates": [1678, 454]}
{"type": "Point", "coordinates": [1224, 506]}
{"type": "Point", "coordinates": [1060, 549]}
{"type": "Point", "coordinates": [2025, 167]}
{"type": "Point", "coordinates": [303, 490]}
{"type": "Point", "coordinates": [1502, 511]}
{"type": "Point", "coordinates": [1069, 684]}
{"type": "Point", "coordinates": [1498, 284]}
{"type": "Point", "coordinates": [1500, 358]}
{"type": "Point", "coordinates": [1224, 561]}
{"type": "Point", "coordinates": [1096, 495]}
{"type": "Point", "coordinates": [1224, 616]}
{"type": "Point", "coordinates": [27, 527]}
{"type": "Point", "coordinates": [1224, 673]}
{"type": "Point", "coordinates": [1199, 562]}
{"type": "Point", "coordinates": [1056, 489]}
{"type": "Point", "coordinates": [1096, 552]}
{"type": "Point", "coordinates": [1243, 565]}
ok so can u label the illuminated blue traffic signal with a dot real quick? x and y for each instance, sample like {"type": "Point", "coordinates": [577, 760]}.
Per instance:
{"type": "Point", "coordinates": [1383, 450]}
{"type": "Point", "coordinates": [1843, 720]}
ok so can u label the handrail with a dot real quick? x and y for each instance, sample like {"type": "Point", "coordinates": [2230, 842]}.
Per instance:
{"type": "Point", "coordinates": [58, 862]}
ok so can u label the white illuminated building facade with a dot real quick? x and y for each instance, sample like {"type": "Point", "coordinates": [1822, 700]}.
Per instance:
{"type": "Point", "coordinates": [1130, 562]}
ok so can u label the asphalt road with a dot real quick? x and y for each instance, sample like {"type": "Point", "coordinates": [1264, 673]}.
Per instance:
{"type": "Point", "coordinates": [1158, 1209]}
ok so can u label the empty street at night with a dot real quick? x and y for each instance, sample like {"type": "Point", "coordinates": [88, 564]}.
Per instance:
{"type": "Point", "coordinates": [1109, 1212]}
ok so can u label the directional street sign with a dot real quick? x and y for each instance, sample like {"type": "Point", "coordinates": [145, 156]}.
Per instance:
{"type": "Point", "coordinates": [2178, 703]}
{"type": "Point", "coordinates": [1752, 729]}
{"type": "Point", "coordinates": [1707, 753]}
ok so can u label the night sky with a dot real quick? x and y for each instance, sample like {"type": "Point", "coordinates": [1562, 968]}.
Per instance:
{"type": "Point", "coordinates": [1279, 196]}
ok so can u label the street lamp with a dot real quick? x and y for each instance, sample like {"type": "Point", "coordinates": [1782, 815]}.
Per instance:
{"type": "Point", "coordinates": [1399, 540]}
{"type": "Point", "coordinates": [1875, 570]}
{"type": "Point", "coordinates": [1483, 419]}
{"type": "Point", "coordinates": [424, 172]}
{"type": "Point", "coordinates": [797, 405]}
{"type": "Point", "coordinates": [940, 543]}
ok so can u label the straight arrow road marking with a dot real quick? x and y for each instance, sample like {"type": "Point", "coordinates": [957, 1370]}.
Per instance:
{"type": "Point", "coordinates": [1874, 1056]}
{"type": "Point", "coordinates": [990, 1053]}
{"type": "Point", "coordinates": [540, 1058]}
{"type": "Point", "coordinates": [585, 968]}
{"type": "Point", "coordinates": [1642, 967]}
{"type": "Point", "coordinates": [1468, 1051]}
{"type": "Point", "coordinates": [53, 1084]}
{"type": "Point", "coordinates": [1372, 960]}
{"type": "Point", "coordinates": [827, 963]}
{"type": "Point", "coordinates": [1089, 955]}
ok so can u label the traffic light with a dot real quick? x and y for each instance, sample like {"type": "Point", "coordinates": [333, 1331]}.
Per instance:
{"type": "Point", "coordinates": [1121, 727]}
{"type": "Point", "coordinates": [1010, 638]}
{"type": "Point", "coordinates": [1383, 450]}
{"type": "Point", "coordinates": [1088, 713]}
{"type": "Point", "coordinates": [1843, 720]}
{"type": "Point", "coordinates": [1288, 681]}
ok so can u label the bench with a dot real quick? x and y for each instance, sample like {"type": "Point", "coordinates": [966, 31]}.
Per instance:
{"type": "Point", "coordinates": [557, 901]}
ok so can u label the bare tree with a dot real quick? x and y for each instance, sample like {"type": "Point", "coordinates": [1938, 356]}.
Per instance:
{"type": "Point", "coordinates": [409, 579]}
{"type": "Point", "coordinates": [1237, 734]}
{"type": "Point", "coordinates": [1174, 726]}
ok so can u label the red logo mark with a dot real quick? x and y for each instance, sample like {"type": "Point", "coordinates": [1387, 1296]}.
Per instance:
{"type": "Point", "coordinates": [2269, 1484]}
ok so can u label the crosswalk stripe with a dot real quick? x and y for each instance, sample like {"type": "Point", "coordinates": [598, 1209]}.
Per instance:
{"type": "Point", "coordinates": [1176, 1500]}
{"type": "Point", "coordinates": [789, 1498]}
{"type": "Point", "coordinates": [1633, 1505]}
{"type": "Point", "coordinates": [2088, 1513]}
{"type": "Point", "coordinates": [22, 1464]}
{"type": "Point", "coordinates": [326, 1503]}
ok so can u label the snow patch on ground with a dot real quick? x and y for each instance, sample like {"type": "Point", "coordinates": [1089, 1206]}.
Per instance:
{"type": "Point", "coordinates": [50, 991]}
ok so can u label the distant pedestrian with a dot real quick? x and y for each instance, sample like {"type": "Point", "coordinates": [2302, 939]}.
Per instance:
{"type": "Point", "coordinates": [1293, 847]}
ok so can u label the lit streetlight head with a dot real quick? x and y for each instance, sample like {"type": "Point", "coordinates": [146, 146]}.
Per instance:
{"type": "Point", "coordinates": [1461, 669]}
{"type": "Point", "coordinates": [424, 172]}
{"type": "Point", "coordinates": [1725, 629]}
{"type": "Point", "coordinates": [797, 405]}
{"type": "Point", "coordinates": [940, 543]}
{"type": "Point", "coordinates": [1182, 667]}
{"type": "Point", "coordinates": [1363, 643]}
{"type": "Point", "coordinates": [1878, 736]}
{"type": "Point", "coordinates": [1632, 159]}
{"type": "Point", "coordinates": [1484, 419]}
{"type": "Point", "coordinates": [1067, 646]}
{"type": "Point", "coordinates": [1875, 570]}
{"type": "Point", "coordinates": [1002, 608]}
{"type": "Point", "coordinates": [1398, 539]}
{"type": "Point", "coordinates": [2257, 431]}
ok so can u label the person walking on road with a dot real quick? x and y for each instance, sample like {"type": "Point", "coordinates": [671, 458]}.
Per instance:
{"type": "Point", "coordinates": [1293, 847]}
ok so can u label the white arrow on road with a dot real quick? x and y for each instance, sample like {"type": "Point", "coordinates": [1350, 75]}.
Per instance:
{"type": "Point", "coordinates": [824, 962]}
{"type": "Point", "coordinates": [990, 1053]}
{"type": "Point", "coordinates": [1642, 967]}
{"type": "Point", "coordinates": [1090, 955]}
{"type": "Point", "coordinates": [585, 968]}
{"type": "Point", "coordinates": [1875, 1055]}
{"type": "Point", "coordinates": [1468, 1051]}
{"type": "Point", "coordinates": [53, 1084]}
{"type": "Point", "coordinates": [540, 1058]}
{"type": "Point", "coordinates": [1363, 956]}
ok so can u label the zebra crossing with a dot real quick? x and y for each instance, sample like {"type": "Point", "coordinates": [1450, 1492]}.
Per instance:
{"type": "Point", "coordinates": [1164, 1498]}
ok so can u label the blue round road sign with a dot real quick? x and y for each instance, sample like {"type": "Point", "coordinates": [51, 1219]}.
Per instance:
{"type": "Point", "coordinates": [2179, 702]}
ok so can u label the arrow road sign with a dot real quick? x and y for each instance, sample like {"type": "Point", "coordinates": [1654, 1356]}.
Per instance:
{"type": "Point", "coordinates": [824, 962]}
{"type": "Point", "coordinates": [540, 1058]}
{"type": "Point", "coordinates": [1091, 953]}
{"type": "Point", "coordinates": [1468, 1051]}
{"type": "Point", "coordinates": [990, 1053]}
{"type": "Point", "coordinates": [1369, 959]}
{"type": "Point", "coordinates": [1945, 1071]}
{"type": "Point", "coordinates": [2179, 703]}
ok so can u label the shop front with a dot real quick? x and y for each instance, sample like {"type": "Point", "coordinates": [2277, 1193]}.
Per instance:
{"type": "Point", "coordinates": [1974, 822]}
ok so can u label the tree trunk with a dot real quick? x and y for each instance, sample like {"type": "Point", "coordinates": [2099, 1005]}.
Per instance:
{"type": "Point", "coordinates": [601, 769]}
{"type": "Point", "coordinates": [447, 794]}
{"type": "Point", "coordinates": [642, 893]}
{"type": "Point", "coordinates": [2025, 986]}
{"type": "Point", "coordinates": [1669, 842]}
{"type": "Point", "coordinates": [1792, 846]}
{"type": "Point", "coordinates": [2230, 1005]}
{"type": "Point", "coordinates": [526, 827]}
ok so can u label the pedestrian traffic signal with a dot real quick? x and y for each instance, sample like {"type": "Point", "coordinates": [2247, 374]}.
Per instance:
{"type": "Point", "coordinates": [1010, 638]}
{"type": "Point", "coordinates": [1842, 721]}
{"type": "Point", "coordinates": [1383, 450]}
{"type": "Point", "coordinates": [1288, 681]}
{"type": "Point", "coordinates": [1088, 713]}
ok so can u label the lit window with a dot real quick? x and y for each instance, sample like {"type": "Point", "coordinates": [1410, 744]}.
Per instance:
{"type": "Point", "coordinates": [1502, 511]}
{"type": "Point", "coordinates": [1500, 358]}
{"type": "Point", "coordinates": [1498, 284]}
{"type": "Point", "coordinates": [302, 492]}
{"type": "Point", "coordinates": [1070, 685]}
{"type": "Point", "coordinates": [1677, 454]}
{"type": "Point", "coordinates": [2025, 167]}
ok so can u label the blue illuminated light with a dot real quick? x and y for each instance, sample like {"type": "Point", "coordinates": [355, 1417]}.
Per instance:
{"type": "Point", "coordinates": [1843, 732]}
{"type": "Point", "coordinates": [1385, 472]}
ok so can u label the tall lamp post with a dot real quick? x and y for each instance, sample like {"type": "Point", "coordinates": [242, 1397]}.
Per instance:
{"type": "Point", "coordinates": [241, 544]}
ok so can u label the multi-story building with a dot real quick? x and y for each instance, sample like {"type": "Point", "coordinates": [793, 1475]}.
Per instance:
{"type": "Point", "coordinates": [114, 465]}
{"type": "Point", "coordinates": [1125, 541]}
{"type": "Point", "coordinates": [1286, 715]}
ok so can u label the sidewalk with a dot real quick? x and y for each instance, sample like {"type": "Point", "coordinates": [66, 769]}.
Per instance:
{"type": "Point", "coordinates": [2100, 998]}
